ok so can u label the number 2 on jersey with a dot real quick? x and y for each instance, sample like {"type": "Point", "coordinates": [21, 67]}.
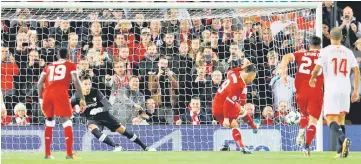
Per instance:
{"type": "Point", "coordinates": [308, 62]}
{"type": "Point", "coordinates": [342, 68]}
{"type": "Point", "coordinates": [226, 83]}
{"type": "Point", "coordinates": [56, 72]}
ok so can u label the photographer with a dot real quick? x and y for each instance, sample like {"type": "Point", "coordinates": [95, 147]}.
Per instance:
{"type": "Point", "coordinates": [163, 86]}
{"type": "Point", "coordinates": [351, 29]}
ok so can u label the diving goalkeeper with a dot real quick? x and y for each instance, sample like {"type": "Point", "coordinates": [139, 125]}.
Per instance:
{"type": "Point", "coordinates": [98, 116]}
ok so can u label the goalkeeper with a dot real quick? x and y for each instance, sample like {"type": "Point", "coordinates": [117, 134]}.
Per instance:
{"type": "Point", "coordinates": [98, 116]}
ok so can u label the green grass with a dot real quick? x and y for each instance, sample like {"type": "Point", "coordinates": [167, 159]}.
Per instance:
{"type": "Point", "coordinates": [182, 158]}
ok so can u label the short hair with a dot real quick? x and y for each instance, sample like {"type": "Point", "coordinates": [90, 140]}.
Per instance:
{"type": "Point", "coordinates": [315, 41]}
{"type": "Point", "coordinates": [250, 69]}
{"type": "Point", "coordinates": [133, 77]}
{"type": "Point", "coordinates": [234, 44]}
{"type": "Point", "coordinates": [195, 98]}
{"type": "Point", "coordinates": [63, 53]}
{"type": "Point", "coordinates": [163, 58]}
{"type": "Point", "coordinates": [19, 106]}
{"type": "Point", "coordinates": [336, 33]}
{"type": "Point", "coordinates": [85, 77]}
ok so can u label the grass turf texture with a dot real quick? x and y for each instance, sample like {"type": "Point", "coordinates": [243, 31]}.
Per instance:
{"type": "Point", "coordinates": [181, 158]}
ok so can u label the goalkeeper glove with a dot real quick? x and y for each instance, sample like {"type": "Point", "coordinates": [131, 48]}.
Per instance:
{"type": "Point", "coordinates": [96, 111]}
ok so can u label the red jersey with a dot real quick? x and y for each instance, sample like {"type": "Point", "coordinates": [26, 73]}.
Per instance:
{"type": "Point", "coordinates": [58, 76]}
{"type": "Point", "coordinates": [232, 91]}
{"type": "Point", "coordinates": [306, 61]}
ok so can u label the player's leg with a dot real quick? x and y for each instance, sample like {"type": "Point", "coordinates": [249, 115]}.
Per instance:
{"type": "Point", "coordinates": [254, 124]}
{"type": "Point", "coordinates": [63, 109]}
{"type": "Point", "coordinates": [302, 105]}
{"type": "Point", "coordinates": [48, 112]}
{"type": "Point", "coordinates": [314, 109]}
{"type": "Point", "coordinates": [94, 129]}
{"type": "Point", "coordinates": [345, 108]}
{"type": "Point", "coordinates": [236, 134]}
{"type": "Point", "coordinates": [114, 125]}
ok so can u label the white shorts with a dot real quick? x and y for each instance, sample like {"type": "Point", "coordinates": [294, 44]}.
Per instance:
{"type": "Point", "coordinates": [336, 103]}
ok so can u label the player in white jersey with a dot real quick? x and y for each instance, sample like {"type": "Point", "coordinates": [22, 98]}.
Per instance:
{"type": "Point", "coordinates": [337, 62]}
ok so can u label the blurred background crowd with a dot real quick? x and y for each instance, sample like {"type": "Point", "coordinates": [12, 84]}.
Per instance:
{"type": "Point", "coordinates": [164, 72]}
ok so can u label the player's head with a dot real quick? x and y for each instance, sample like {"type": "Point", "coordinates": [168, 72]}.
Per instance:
{"type": "Point", "coordinates": [336, 35]}
{"type": "Point", "coordinates": [63, 53]}
{"type": "Point", "coordinates": [86, 84]}
{"type": "Point", "coordinates": [249, 73]}
{"type": "Point", "coordinates": [315, 42]}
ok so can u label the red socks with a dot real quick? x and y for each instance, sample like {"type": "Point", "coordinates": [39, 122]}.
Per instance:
{"type": "Point", "coordinates": [303, 122]}
{"type": "Point", "coordinates": [249, 120]}
{"type": "Point", "coordinates": [237, 137]}
{"type": "Point", "coordinates": [310, 134]}
{"type": "Point", "coordinates": [68, 134]}
{"type": "Point", "coordinates": [48, 139]}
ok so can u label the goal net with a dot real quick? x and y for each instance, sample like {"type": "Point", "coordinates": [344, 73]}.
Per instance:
{"type": "Point", "coordinates": [178, 54]}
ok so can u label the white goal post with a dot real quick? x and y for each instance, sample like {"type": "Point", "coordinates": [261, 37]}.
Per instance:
{"type": "Point", "coordinates": [251, 9]}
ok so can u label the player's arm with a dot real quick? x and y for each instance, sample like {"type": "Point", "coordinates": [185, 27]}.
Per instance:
{"type": "Point", "coordinates": [77, 85]}
{"type": "Point", "coordinates": [229, 103]}
{"type": "Point", "coordinates": [356, 71]}
{"type": "Point", "coordinates": [284, 64]}
{"type": "Point", "coordinates": [105, 102]}
{"type": "Point", "coordinates": [75, 99]}
{"type": "Point", "coordinates": [41, 85]}
{"type": "Point", "coordinates": [315, 72]}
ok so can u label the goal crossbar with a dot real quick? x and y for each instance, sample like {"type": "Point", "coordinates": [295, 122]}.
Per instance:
{"type": "Point", "coordinates": [215, 5]}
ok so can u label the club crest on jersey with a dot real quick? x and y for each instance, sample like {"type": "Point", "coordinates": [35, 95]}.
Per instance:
{"type": "Point", "coordinates": [234, 98]}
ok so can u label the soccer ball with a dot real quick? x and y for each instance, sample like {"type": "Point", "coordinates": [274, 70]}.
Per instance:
{"type": "Point", "coordinates": [293, 117]}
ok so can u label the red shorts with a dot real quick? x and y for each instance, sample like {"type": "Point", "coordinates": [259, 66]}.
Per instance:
{"type": "Point", "coordinates": [56, 104]}
{"type": "Point", "coordinates": [217, 111]}
{"type": "Point", "coordinates": [310, 103]}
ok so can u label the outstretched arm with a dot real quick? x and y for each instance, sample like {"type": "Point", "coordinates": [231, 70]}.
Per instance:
{"type": "Point", "coordinates": [77, 85]}
{"type": "Point", "coordinates": [284, 64]}
{"type": "Point", "coordinates": [41, 85]}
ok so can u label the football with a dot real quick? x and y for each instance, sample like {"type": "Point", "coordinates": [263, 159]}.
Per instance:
{"type": "Point", "coordinates": [293, 117]}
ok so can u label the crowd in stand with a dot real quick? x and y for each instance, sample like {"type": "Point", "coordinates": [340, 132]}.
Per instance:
{"type": "Point", "coordinates": [163, 72]}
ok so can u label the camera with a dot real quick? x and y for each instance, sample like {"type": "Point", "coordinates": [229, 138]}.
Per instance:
{"type": "Point", "coordinates": [25, 44]}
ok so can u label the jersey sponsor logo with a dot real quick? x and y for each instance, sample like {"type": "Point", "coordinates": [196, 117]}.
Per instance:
{"type": "Point", "coordinates": [234, 98]}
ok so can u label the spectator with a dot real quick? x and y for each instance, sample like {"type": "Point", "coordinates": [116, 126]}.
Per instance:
{"type": "Point", "coordinates": [152, 111]}
{"type": "Point", "coordinates": [281, 112]}
{"type": "Point", "coordinates": [184, 32]}
{"type": "Point", "coordinates": [226, 30]}
{"type": "Point", "coordinates": [163, 86]}
{"type": "Point", "coordinates": [22, 48]}
{"type": "Point", "coordinates": [211, 60]}
{"type": "Point", "coordinates": [5, 119]}
{"type": "Point", "coordinates": [120, 41]}
{"type": "Point", "coordinates": [357, 50]}
{"type": "Point", "coordinates": [268, 115]}
{"type": "Point", "coordinates": [49, 50]}
{"type": "Point", "coordinates": [34, 43]}
{"type": "Point", "coordinates": [221, 49]}
{"type": "Point", "coordinates": [155, 32]}
{"type": "Point", "coordinates": [331, 14]}
{"type": "Point", "coordinates": [150, 62]}
{"type": "Point", "coordinates": [216, 25]}
{"type": "Point", "coordinates": [74, 47]}
{"type": "Point", "coordinates": [138, 120]}
{"type": "Point", "coordinates": [351, 28]}
{"type": "Point", "coordinates": [138, 50]}
{"type": "Point", "coordinates": [326, 37]}
{"type": "Point", "coordinates": [119, 79]}
{"type": "Point", "coordinates": [20, 115]}
{"type": "Point", "coordinates": [169, 48]}
{"type": "Point", "coordinates": [128, 101]}
{"type": "Point", "coordinates": [195, 48]}
{"type": "Point", "coordinates": [173, 23]}
{"type": "Point", "coordinates": [206, 37]}
{"type": "Point", "coordinates": [84, 68]}
{"type": "Point", "coordinates": [138, 25]}
{"type": "Point", "coordinates": [99, 48]}
{"type": "Point", "coordinates": [43, 29]}
{"type": "Point", "coordinates": [9, 69]}
{"type": "Point", "coordinates": [196, 114]}
{"type": "Point", "coordinates": [282, 93]}
{"type": "Point", "coordinates": [198, 28]}
{"type": "Point", "coordinates": [62, 33]}
{"type": "Point", "coordinates": [216, 81]}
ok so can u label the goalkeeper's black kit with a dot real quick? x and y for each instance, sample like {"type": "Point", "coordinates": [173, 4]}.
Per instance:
{"type": "Point", "coordinates": [97, 110]}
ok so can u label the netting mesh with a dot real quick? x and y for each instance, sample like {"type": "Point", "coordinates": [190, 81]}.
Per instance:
{"type": "Point", "coordinates": [113, 44]}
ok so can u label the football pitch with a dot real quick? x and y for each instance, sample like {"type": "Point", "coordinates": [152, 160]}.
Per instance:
{"type": "Point", "coordinates": [181, 158]}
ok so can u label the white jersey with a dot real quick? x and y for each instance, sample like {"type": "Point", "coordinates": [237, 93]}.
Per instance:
{"type": "Point", "coordinates": [337, 62]}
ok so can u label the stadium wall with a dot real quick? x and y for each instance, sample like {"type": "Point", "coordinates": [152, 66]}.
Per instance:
{"type": "Point", "coordinates": [168, 138]}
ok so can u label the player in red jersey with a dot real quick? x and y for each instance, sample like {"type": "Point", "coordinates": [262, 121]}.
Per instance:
{"type": "Point", "coordinates": [55, 100]}
{"type": "Point", "coordinates": [309, 100]}
{"type": "Point", "coordinates": [227, 104]}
